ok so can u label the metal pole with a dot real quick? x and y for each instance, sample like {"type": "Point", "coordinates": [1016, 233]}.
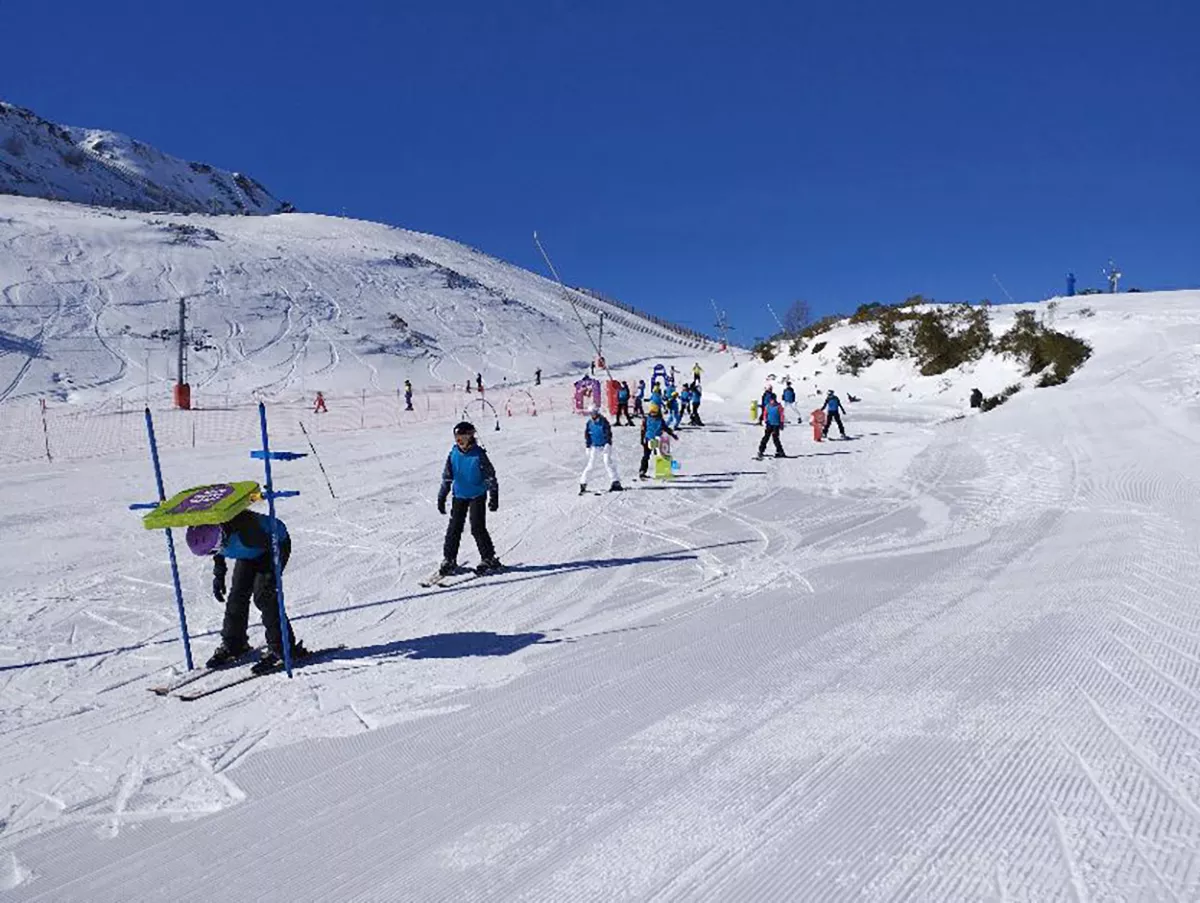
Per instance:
{"type": "Point", "coordinates": [182, 346]}
{"type": "Point", "coordinates": [285, 634]}
{"type": "Point", "coordinates": [46, 431]}
{"type": "Point", "coordinates": [183, 628]}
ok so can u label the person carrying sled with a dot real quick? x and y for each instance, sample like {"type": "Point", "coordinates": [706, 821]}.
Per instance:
{"type": "Point", "coordinates": [247, 540]}
{"type": "Point", "coordinates": [833, 408]}
{"type": "Point", "coordinates": [472, 478]}
{"type": "Point", "coordinates": [597, 438]}
{"type": "Point", "coordinates": [623, 404]}
{"type": "Point", "coordinates": [653, 426]}
{"type": "Point", "coordinates": [773, 423]}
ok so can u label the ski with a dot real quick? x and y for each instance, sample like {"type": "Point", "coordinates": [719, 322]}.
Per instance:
{"type": "Point", "coordinates": [190, 677]}
{"type": "Point", "coordinates": [246, 677]}
{"type": "Point", "coordinates": [460, 576]}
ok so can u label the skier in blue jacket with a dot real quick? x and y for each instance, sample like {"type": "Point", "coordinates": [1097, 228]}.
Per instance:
{"type": "Point", "coordinates": [597, 437]}
{"type": "Point", "coordinates": [472, 478]}
{"type": "Point", "coordinates": [247, 540]}
{"type": "Point", "coordinates": [773, 421]}
{"type": "Point", "coordinates": [653, 426]}
{"type": "Point", "coordinates": [789, 394]}
{"type": "Point", "coordinates": [695, 418]}
{"type": "Point", "coordinates": [639, 398]}
{"type": "Point", "coordinates": [623, 404]}
{"type": "Point", "coordinates": [833, 408]}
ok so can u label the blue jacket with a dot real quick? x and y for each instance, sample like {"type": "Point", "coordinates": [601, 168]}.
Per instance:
{"type": "Point", "coordinates": [789, 395]}
{"type": "Point", "coordinates": [686, 397]}
{"type": "Point", "coordinates": [597, 432]}
{"type": "Point", "coordinates": [470, 474]}
{"type": "Point", "coordinates": [656, 397]}
{"type": "Point", "coordinates": [832, 404]}
{"type": "Point", "coordinates": [622, 395]}
{"type": "Point", "coordinates": [774, 413]}
{"type": "Point", "coordinates": [641, 388]}
{"type": "Point", "coordinates": [653, 427]}
{"type": "Point", "coordinates": [248, 536]}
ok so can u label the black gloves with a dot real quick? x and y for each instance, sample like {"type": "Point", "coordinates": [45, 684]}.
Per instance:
{"type": "Point", "coordinates": [219, 578]}
{"type": "Point", "coordinates": [441, 504]}
{"type": "Point", "coordinates": [494, 502]}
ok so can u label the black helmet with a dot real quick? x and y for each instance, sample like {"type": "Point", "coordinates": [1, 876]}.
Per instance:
{"type": "Point", "coordinates": [463, 428]}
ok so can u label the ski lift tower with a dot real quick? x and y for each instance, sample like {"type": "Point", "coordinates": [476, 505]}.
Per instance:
{"type": "Point", "coordinates": [1113, 275]}
{"type": "Point", "coordinates": [183, 392]}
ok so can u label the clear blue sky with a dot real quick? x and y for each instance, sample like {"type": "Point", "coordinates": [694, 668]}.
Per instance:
{"type": "Point", "coordinates": [668, 153]}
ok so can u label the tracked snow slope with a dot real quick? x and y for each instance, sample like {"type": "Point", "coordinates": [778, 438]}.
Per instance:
{"type": "Point", "coordinates": [276, 305]}
{"type": "Point", "coordinates": [39, 158]}
{"type": "Point", "coordinates": [947, 660]}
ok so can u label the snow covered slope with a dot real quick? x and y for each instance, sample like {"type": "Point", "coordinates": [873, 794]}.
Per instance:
{"type": "Point", "coordinates": [949, 659]}
{"type": "Point", "coordinates": [41, 159]}
{"type": "Point", "coordinates": [276, 305]}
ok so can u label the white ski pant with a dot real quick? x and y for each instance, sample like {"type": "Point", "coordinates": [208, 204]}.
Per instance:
{"type": "Point", "coordinates": [609, 463]}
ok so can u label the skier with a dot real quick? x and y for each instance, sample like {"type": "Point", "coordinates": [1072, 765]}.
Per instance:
{"type": "Point", "coordinates": [976, 398]}
{"type": "Point", "coordinates": [468, 387]}
{"type": "Point", "coordinates": [653, 426]}
{"type": "Point", "coordinates": [469, 472]}
{"type": "Point", "coordinates": [623, 404]}
{"type": "Point", "coordinates": [685, 401]}
{"type": "Point", "coordinates": [789, 394]}
{"type": "Point", "coordinates": [247, 540]}
{"type": "Point", "coordinates": [773, 422]}
{"type": "Point", "coordinates": [319, 404]}
{"type": "Point", "coordinates": [696, 421]}
{"type": "Point", "coordinates": [767, 394]}
{"type": "Point", "coordinates": [696, 371]}
{"type": "Point", "coordinates": [637, 399]}
{"type": "Point", "coordinates": [408, 395]}
{"type": "Point", "coordinates": [479, 382]}
{"type": "Point", "coordinates": [537, 376]}
{"type": "Point", "coordinates": [673, 407]}
{"type": "Point", "coordinates": [597, 436]}
{"type": "Point", "coordinates": [833, 408]}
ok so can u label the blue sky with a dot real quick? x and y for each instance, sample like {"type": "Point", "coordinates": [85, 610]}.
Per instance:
{"type": "Point", "coordinates": [669, 153]}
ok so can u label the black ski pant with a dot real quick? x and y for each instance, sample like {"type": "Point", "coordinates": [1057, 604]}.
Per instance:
{"type": "Point", "coordinates": [645, 459]}
{"type": "Point", "coordinates": [696, 421]}
{"type": "Point", "coordinates": [637, 407]}
{"type": "Point", "coordinates": [833, 417]}
{"type": "Point", "coordinates": [771, 433]}
{"type": "Point", "coordinates": [459, 510]}
{"type": "Point", "coordinates": [255, 579]}
{"type": "Point", "coordinates": [623, 408]}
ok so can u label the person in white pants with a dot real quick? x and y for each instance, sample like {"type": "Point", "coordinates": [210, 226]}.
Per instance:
{"type": "Point", "coordinates": [597, 437]}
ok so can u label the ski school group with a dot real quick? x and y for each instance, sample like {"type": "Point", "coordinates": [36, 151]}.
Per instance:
{"type": "Point", "coordinates": [470, 485]}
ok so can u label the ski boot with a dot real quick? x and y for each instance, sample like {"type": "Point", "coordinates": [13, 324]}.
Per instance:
{"type": "Point", "coordinates": [616, 487]}
{"type": "Point", "coordinates": [489, 566]}
{"type": "Point", "coordinates": [446, 568]}
{"type": "Point", "coordinates": [225, 655]}
{"type": "Point", "coordinates": [583, 488]}
{"type": "Point", "coordinates": [273, 661]}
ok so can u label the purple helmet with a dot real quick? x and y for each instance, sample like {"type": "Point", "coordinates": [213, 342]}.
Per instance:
{"type": "Point", "coordinates": [204, 539]}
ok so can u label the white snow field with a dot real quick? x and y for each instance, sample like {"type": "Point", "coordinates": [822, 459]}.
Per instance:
{"type": "Point", "coordinates": [956, 658]}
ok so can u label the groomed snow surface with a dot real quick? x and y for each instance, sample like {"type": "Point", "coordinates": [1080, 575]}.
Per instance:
{"type": "Point", "coordinates": [954, 658]}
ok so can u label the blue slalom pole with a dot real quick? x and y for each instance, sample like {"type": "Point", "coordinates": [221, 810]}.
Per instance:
{"type": "Point", "coordinates": [183, 628]}
{"type": "Point", "coordinates": [284, 633]}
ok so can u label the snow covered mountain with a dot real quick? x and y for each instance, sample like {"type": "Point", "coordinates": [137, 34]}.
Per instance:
{"type": "Point", "coordinates": [279, 305]}
{"type": "Point", "coordinates": [39, 158]}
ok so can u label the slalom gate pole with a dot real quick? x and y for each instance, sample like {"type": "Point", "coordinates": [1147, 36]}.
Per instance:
{"type": "Point", "coordinates": [183, 628]}
{"type": "Point", "coordinates": [318, 457]}
{"type": "Point", "coordinates": [285, 634]}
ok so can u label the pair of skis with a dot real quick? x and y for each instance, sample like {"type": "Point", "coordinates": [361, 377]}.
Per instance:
{"type": "Point", "coordinates": [462, 575]}
{"type": "Point", "coordinates": [179, 688]}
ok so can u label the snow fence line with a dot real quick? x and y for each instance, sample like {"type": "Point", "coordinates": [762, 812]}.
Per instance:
{"type": "Point", "coordinates": [41, 430]}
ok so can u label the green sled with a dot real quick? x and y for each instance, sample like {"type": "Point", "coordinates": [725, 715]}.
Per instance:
{"type": "Point", "coordinates": [215, 503]}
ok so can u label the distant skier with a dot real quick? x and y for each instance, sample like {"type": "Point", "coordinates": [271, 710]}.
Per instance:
{"type": "Point", "coordinates": [696, 371]}
{"type": "Point", "coordinates": [247, 540]}
{"type": "Point", "coordinates": [673, 407]}
{"type": "Point", "coordinates": [537, 376]}
{"type": "Point", "coordinates": [637, 399]}
{"type": "Point", "coordinates": [319, 404]}
{"type": "Point", "coordinates": [833, 408]}
{"type": "Point", "coordinates": [768, 393]}
{"type": "Point", "coordinates": [976, 398]}
{"type": "Point", "coordinates": [471, 476]}
{"type": "Point", "coordinates": [468, 387]}
{"type": "Point", "coordinates": [789, 394]}
{"type": "Point", "coordinates": [597, 437]}
{"type": "Point", "coordinates": [479, 382]}
{"type": "Point", "coordinates": [653, 426]}
{"type": "Point", "coordinates": [407, 395]}
{"type": "Point", "coordinates": [695, 420]}
{"type": "Point", "coordinates": [773, 423]}
{"type": "Point", "coordinates": [623, 404]}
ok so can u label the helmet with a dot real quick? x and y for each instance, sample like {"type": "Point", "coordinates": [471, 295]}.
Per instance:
{"type": "Point", "coordinates": [204, 539]}
{"type": "Point", "coordinates": [594, 409]}
{"type": "Point", "coordinates": [653, 408]}
{"type": "Point", "coordinates": [830, 392]}
{"type": "Point", "coordinates": [464, 428]}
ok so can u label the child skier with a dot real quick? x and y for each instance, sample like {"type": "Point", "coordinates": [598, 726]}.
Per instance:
{"type": "Point", "coordinates": [773, 421]}
{"type": "Point", "coordinates": [247, 540]}
{"type": "Point", "coordinates": [469, 473]}
{"type": "Point", "coordinates": [653, 426]}
{"type": "Point", "coordinates": [639, 398]}
{"type": "Point", "coordinates": [623, 404]}
{"type": "Point", "coordinates": [597, 437]}
{"type": "Point", "coordinates": [696, 421]}
{"type": "Point", "coordinates": [833, 409]}
{"type": "Point", "coordinates": [407, 395]}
